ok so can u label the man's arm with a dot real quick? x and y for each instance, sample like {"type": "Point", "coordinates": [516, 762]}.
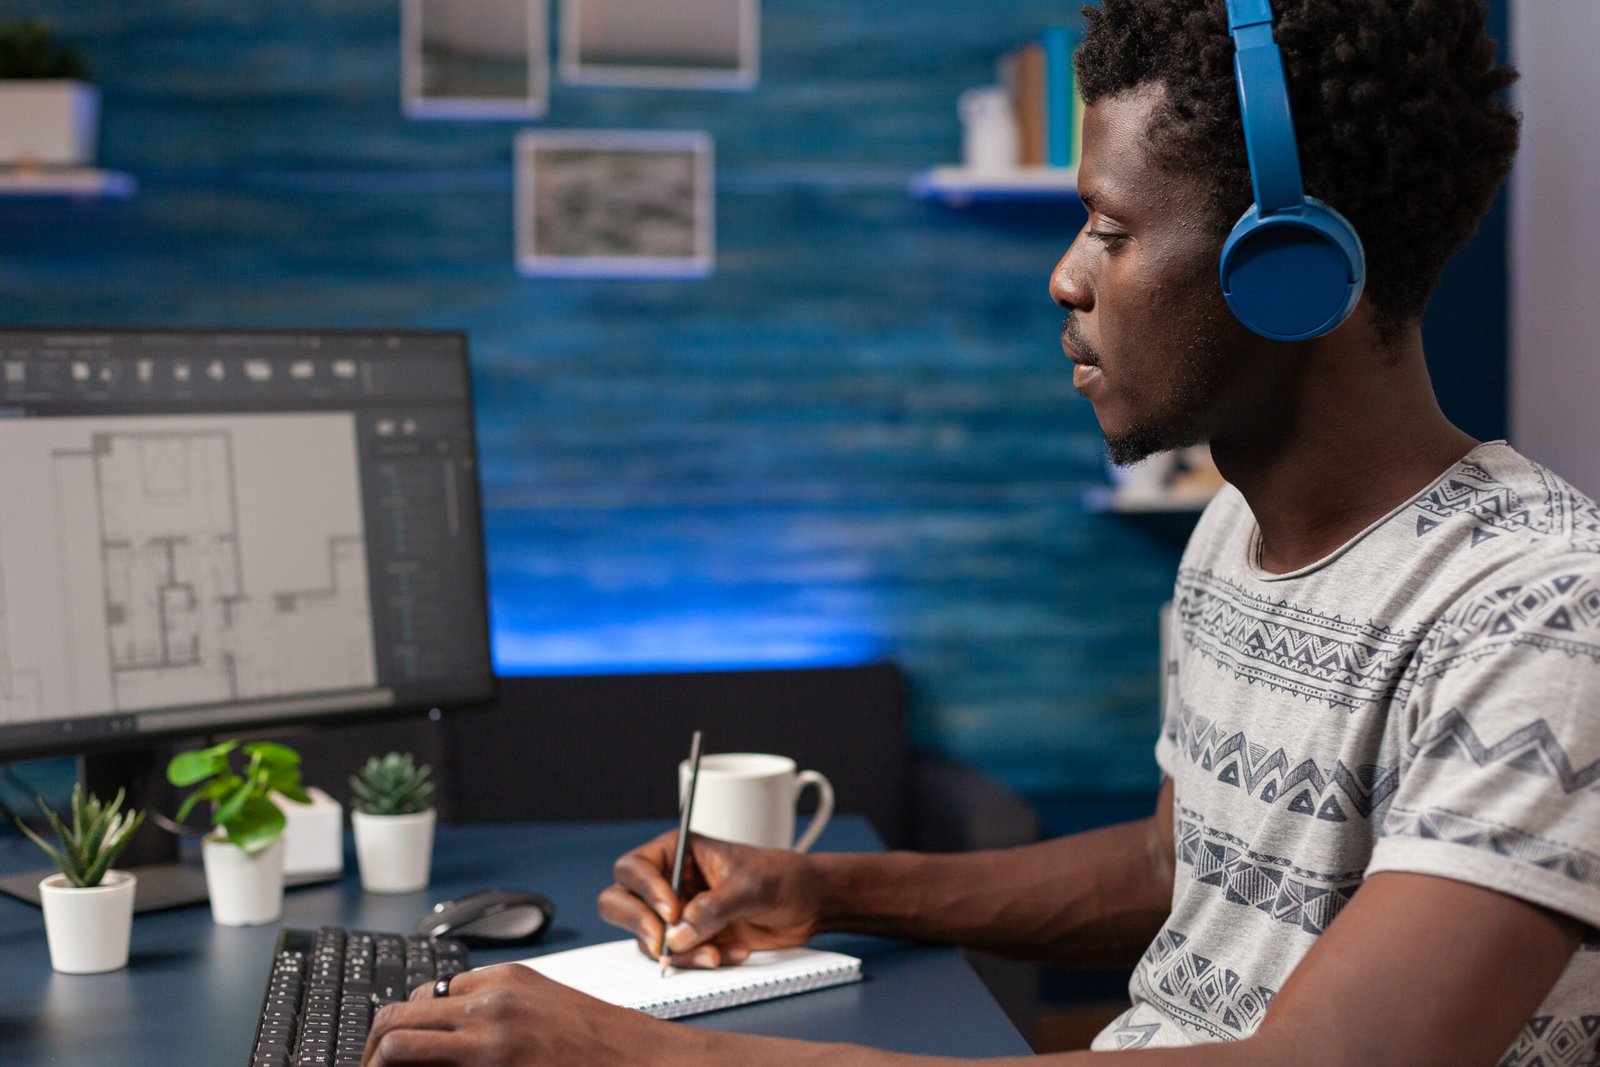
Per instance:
{"type": "Point", "coordinates": [1089, 899]}
{"type": "Point", "coordinates": [1093, 899]}
{"type": "Point", "coordinates": [1417, 970]}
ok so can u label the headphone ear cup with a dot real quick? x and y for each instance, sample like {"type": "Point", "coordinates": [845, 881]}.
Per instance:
{"type": "Point", "coordinates": [1293, 275]}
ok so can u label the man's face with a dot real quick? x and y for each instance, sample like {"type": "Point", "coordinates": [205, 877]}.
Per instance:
{"type": "Point", "coordinates": [1155, 348]}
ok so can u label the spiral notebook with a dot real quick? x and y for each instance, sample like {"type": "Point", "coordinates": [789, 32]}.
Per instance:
{"type": "Point", "coordinates": [617, 972]}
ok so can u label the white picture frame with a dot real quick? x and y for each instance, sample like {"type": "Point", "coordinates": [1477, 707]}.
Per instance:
{"type": "Point", "coordinates": [615, 204]}
{"type": "Point", "coordinates": [684, 44]}
{"type": "Point", "coordinates": [475, 59]}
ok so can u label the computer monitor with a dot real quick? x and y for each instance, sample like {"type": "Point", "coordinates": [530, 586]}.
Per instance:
{"type": "Point", "coordinates": [210, 531]}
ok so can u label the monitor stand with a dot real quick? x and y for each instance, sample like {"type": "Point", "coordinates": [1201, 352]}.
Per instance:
{"type": "Point", "coordinates": [166, 878]}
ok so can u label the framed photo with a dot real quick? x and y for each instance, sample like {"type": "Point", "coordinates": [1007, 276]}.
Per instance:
{"type": "Point", "coordinates": [614, 204]}
{"type": "Point", "coordinates": [475, 59]}
{"type": "Point", "coordinates": [684, 44]}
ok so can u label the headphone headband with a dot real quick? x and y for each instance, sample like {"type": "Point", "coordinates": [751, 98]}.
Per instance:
{"type": "Point", "coordinates": [1269, 138]}
{"type": "Point", "coordinates": [1293, 267]}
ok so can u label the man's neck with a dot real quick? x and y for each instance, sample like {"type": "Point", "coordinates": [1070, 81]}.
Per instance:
{"type": "Point", "coordinates": [1357, 438]}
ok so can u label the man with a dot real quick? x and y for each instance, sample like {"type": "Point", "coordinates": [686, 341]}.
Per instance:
{"type": "Point", "coordinates": [1387, 635]}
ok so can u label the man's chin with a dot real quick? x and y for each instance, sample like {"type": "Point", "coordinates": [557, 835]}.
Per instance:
{"type": "Point", "coordinates": [1131, 446]}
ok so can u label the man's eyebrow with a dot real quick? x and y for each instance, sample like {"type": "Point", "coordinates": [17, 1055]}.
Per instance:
{"type": "Point", "coordinates": [1087, 198]}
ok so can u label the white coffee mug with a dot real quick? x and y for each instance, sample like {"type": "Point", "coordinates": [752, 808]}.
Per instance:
{"type": "Point", "coordinates": [750, 798]}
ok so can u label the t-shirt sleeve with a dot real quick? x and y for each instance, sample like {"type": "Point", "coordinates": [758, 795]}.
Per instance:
{"type": "Point", "coordinates": [1500, 774]}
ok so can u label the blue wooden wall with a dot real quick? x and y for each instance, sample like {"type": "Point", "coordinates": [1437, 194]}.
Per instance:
{"type": "Point", "coordinates": [857, 440]}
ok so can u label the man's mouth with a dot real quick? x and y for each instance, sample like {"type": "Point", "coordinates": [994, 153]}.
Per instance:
{"type": "Point", "coordinates": [1086, 372]}
{"type": "Point", "coordinates": [1079, 350]}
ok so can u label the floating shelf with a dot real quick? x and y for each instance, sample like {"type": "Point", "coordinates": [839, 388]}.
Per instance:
{"type": "Point", "coordinates": [961, 185]}
{"type": "Point", "coordinates": [1148, 502]}
{"type": "Point", "coordinates": [82, 182]}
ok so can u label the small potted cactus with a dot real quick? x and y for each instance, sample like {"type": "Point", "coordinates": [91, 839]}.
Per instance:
{"type": "Point", "coordinates": [49, 116]}
{"type": "Point", "coordinates": [393, 815]}
{"type": "Point", "coordinates": [243, 856]}
{"type": "Point", "coordinates": [88, 907]}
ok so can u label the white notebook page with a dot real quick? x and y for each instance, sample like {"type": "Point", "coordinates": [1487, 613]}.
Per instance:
{"type": "Point", "coordinates": [617, 972]}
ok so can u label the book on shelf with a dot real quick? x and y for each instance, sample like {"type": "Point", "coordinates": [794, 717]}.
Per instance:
{"type": "Point", "coordinates": [1043, 88]}
{"type": "Point", "coordinates": [1022, 73]}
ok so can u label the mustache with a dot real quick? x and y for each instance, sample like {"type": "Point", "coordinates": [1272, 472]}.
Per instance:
{"type": "Point", "coordinates": [1079, 343]}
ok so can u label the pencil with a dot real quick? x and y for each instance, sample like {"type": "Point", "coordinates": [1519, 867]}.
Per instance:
{"type": "Point", "coordinates": [684, 811]}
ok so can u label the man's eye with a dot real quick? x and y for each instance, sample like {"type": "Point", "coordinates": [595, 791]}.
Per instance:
{"type": "Point", "coordinates": [1110, 240]}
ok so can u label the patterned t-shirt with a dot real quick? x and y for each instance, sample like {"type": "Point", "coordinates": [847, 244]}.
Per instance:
{"type": "Point", "coordinates": [1425, 699]}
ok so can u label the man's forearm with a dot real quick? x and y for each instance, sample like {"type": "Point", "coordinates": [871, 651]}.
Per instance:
{"type": "Point", "coordinates": [1091, 899]}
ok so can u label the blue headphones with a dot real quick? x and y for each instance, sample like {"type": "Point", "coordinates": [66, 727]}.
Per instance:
{"type": "Point", "coordinates": [1293, 268]}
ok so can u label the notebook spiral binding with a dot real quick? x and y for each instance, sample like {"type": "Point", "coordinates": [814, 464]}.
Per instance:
{"type": "Point", "coordinates": [674, 1007]}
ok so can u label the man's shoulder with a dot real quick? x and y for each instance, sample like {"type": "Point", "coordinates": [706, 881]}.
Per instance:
{"type": "Point", "coordinates": [1496, 494]}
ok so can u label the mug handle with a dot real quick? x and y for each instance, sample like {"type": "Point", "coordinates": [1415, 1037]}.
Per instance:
{"type": "Point", "coordinates": [824, 806]}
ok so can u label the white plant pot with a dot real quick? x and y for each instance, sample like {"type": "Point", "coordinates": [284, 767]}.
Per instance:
{"type": "Point", "coordinates": [245, 889]}
{"type": "Point", "coordinates": [394, 852]}
{"type": "Point", "coordinates": [88, 929]}
{"type": "Point", "coordinates": [53, 122]}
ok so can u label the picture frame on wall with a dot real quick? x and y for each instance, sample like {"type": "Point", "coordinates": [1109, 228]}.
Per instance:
{"type": "Point", "coordinates": [475, 59]}
{"type": "Point", "coordinates": [685, 44]}
{"type": "Point", "coordinates": [615, 203]}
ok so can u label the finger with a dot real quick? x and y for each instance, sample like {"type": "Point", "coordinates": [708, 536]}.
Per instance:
{"type": "Point", "coordinates": [621, 908]}
{"type": "Point", "coordinates": [420, 1048]}
{"type": "Point", "coordinates": [707, 914]}
{"type": "Point", "coordinates": [643, 872]}
{"type": "Point", "coordinates": [481, 978]}
{"type": "Point", "coordinates": [706, 957]}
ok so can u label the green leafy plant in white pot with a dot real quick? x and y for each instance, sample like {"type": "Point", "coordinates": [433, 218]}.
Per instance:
{"type": "Point", "coordinates": [393, 816]}
{"type": "Point", "coordinates": [244, 854]}
{"type": "Point", "coordinates": [88, 907]}
{"type": "Point", "coordinates": [49, 116]}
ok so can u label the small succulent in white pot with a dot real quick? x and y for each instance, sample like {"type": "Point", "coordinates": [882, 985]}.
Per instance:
{"type": "Point", "coordinates": [393, 817]}
{"type": "Point", "coordinates": [88, 906]}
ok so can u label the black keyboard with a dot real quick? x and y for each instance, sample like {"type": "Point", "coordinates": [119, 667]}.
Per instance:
{"type": "Point", "coordinates": [326, 984]}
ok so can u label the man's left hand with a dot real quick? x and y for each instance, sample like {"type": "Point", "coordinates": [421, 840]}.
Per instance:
{"type": "Point", "coordinates": [511, 1016]}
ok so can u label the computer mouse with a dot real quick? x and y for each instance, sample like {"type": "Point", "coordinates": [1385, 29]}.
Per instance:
{"type": "Point", "coordinates": [490, 917]}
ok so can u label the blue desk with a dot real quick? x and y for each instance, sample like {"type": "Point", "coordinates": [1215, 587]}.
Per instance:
{"type": "Point", "coordinates": [192, 990]}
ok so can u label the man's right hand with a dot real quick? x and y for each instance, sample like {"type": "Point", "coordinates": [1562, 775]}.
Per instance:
{"type": "Point", "coordinates": [736, 899]}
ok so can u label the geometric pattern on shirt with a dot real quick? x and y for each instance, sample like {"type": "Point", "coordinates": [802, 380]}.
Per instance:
{"type": "Point", "coordinates": [1532, 749]}
{"type": "Point", "coordinates": [1270, 884]}
{"type": "Point", "coordinates": [1496, 509]}
{"type": "Point", "coordinates": [1558, 857]}
{"type": "Point", "coordinates": [1199, 992]}
{"type": "Point", "coordinates": [1555, 1041]}
{"type": "Point", "coordinates": [1567, 514]}
{"type": "Point", "coordinates": [1303, 788]}
{"type": "Point", "coordinates": [1288, 648]}
{"type": "Point", "coordinates": [1129, 1034]}
{"type": "Point", "coordinates": [1474, 492]}
{"type": "Point", "coordinates": [1559, 614]}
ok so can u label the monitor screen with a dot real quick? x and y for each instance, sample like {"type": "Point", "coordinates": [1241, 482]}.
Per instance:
{"type": "Point", "coordinates": [208, 530]}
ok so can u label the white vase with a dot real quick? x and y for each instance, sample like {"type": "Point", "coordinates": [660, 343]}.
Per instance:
{"type": "Point", "coordinates": [394, 852]}
{"type": "Point", "coordinates": [245, 889]}
{"type": "Point", "coordinates": [51, 122]}
{"type": "Point", "coordinates": [88, 929]}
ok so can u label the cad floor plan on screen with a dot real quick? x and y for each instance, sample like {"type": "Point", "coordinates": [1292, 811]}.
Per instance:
{"type": "Point", "coordinates": [162, 561]}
